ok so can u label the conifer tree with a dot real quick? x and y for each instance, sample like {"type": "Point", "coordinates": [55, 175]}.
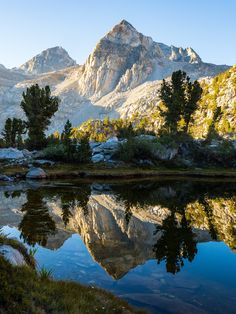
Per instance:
{"type": "Point", "coordinates": [39, 107]}
{"type": "Point", "coordinates": [6, 133]}
{"type": "Point", "coordinates": [13, 131]}
{"type": "Point", "coordinates": [84, 150]}
{"type": "Point", "coordinates": [180, 97]}
{"type": "Point", "coordinates": [68, 142]}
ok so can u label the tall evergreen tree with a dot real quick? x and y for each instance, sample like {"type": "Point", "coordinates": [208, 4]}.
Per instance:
{"type": "Point", "coordinates": [84, 151]}
{"type": "Point", "coordinates": [180, 96]}
{"type": "Point", "coordinates": [68, 142]}
{"type": "Point", "coordinates": [193, 95]}
{"type": "Point", "coordinates": [13, 131]}
{"type": "Point", "coordinates": [39, 107]}
{"type": "Point", "coordinates": [6, 133]}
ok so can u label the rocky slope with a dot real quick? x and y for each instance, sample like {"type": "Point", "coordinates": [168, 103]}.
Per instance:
{"type": "Point", "coordinates": [120, 75]}
{"type": "Point", "coordinates": [52, 59]}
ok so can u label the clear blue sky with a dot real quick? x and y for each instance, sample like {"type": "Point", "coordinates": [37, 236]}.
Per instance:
{"type": "Point", "coordinates": [28, 26]}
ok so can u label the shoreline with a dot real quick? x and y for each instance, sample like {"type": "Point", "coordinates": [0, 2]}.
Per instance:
{"type": "Point", "coordinates": [67, 171]}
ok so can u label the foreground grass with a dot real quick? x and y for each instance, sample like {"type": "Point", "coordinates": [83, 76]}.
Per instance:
{"type": "Point", "coordinates": [22, 290]}
{"type": "Point", "coordinates": [62, 170]}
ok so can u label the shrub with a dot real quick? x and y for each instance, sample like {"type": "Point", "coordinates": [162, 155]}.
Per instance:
{"type": "Point", "coordinates": [223, 155]}
{"type": "Point", "coordinates": [55, 152]}
{"type": "Point", "coordinates": [84, 152]}
{"type": "Point", "coordinates": [135, 149]}
{"type": "Point", "coordinates": [59, 152]}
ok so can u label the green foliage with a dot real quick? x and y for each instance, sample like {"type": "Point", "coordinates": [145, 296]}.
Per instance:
{"type": "Point", "coordinates": [222, 155]}
{"type": "Point", "coordinates": [55, 152]}
{"type": "Point", "coordinates": [24, 291]}
{"type": "Point", "coordinates": [68, 142]}
{"type": "Point", "coordinates": [66, 148]}
{"type": "Point", "coordinates": [32, 251]}
{"type": "Point", "coordinates": [39, 107]}
{"type": "Point", "coordinates": [180, 97]}
{"type": "Point", "coordinates": [136, 149]}
{"type": "Point", "coordinates": [84, 152]}
{"type": "Point", "coordinates": [126, 130]}
{"type": "Point", "coordinates": [45, 274]}
{"type": "Point", "coordinates": [13, 131]}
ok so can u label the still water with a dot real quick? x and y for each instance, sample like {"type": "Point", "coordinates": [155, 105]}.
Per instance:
{"type": "Point", "coordinates": [167, 246]}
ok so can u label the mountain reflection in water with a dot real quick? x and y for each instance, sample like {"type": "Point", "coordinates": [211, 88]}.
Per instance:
{"type": "Point", "coordinates": [124, 225]}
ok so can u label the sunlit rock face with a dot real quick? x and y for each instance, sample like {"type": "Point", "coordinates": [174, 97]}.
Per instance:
{"type": "Point", "coordinates": [125, 58]}
{"type": "Point", "coordinates": [52, 59]}
{"type": "Point", "coordinates": [121, 75]}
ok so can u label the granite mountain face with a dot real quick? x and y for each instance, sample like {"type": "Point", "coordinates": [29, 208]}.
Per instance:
{"type": "Point", "coordinates": [52, 59]}
{"type": "Point", "coordinates": [124, 71]}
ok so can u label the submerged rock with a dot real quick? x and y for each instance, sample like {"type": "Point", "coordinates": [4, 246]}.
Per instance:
{"type": "Point", "coordinates": [36, 173]}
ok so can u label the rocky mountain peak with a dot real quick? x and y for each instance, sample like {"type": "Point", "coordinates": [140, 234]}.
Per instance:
{"type": "Point", "coordinates": [124, 33]}
{"type": "Point", "coordinates": [52, 59]}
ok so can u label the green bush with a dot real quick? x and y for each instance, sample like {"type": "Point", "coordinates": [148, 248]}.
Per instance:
{"type": "Point", "coordinates": [55, 152]}
{"type": "Point", "coordinates": [59, 152]}
{"type": "Point", "coordinates": [223, 155]}
{"type": "Point", "coordinates": [136, 149]}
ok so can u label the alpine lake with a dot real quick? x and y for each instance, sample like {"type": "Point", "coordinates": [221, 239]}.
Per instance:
{"type": "Point", "coordinates": [166, 245]}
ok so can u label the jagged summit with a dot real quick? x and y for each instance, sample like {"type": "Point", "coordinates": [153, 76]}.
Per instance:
{"type": "Point", "coordinates": [126, 34]}
{"type": "Point", "coordinates": [51, 59]}
{"type": "Point", "coordinates": [125, 24]}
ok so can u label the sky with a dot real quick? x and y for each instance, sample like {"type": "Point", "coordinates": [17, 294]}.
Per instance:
{"type": "Point", "coordinates": [29, 26]}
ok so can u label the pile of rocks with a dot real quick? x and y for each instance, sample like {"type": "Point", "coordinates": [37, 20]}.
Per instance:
{"type": "Point", "coordinates": [105, 151]}
{"type": "Point", "coordinates": [13, 156]}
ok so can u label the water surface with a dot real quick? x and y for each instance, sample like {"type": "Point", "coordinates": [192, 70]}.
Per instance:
{"type": "Point", "coordinates": [167, 246]}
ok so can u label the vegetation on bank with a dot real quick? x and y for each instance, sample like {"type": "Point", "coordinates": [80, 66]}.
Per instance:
{"type": "Point", "coordinates": [23, 290]}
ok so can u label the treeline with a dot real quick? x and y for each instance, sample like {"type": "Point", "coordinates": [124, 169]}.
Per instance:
{"type": "Point", "coordinates": [179, 101]}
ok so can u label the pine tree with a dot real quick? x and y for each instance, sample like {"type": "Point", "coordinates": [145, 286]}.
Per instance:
{"type": "Point", "coordinates": [193, 95]}
{"type": "Point", "coordinates": [84, 151]}
{"type": "Point", "coordinates": [6, 133]}
{"type": "Point", "coordinates": [13, 131]}
{"type": "Point", "coordinates": [39, 107]}
{"type": "Point", "coordinates": [180, 97]}
{"type": "Point", "coordinates": [68, 142]}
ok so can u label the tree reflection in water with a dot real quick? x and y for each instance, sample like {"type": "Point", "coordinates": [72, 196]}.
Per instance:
{"type": "Point", "coordinates": [189, 205]}
{"type": "Point", "coordinates": [74, 198]}
{"type": "Point", "coordinates": [176, 243]}
{"type": "Point", "coordinates": [177, 240]}
{"type": "Point", "coordinates": [37, 224]}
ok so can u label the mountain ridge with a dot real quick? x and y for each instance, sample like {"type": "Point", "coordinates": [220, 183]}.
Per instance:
{"type": "Point", "coordinates": [122, 62]}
